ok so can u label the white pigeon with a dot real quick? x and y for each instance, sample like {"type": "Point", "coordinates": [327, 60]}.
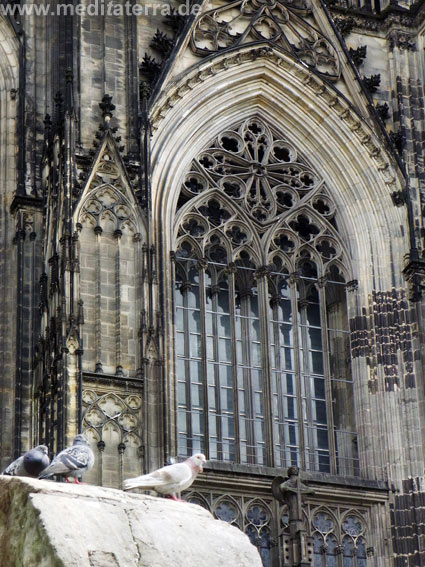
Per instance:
{"type": "Point", "coordinates": [171, 479]}
{"type": "Point", "coordinates": [32, 463]}
{"type": "Point", "coordinates": [73, 461]}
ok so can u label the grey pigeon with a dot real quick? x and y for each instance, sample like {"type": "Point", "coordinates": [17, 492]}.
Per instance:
{"type": "Point", "coordinates": [73, 461]}
{"type": "Point", "coordinates": [170, 479]}
{"type": "Point", "coordinates": [32, 463]}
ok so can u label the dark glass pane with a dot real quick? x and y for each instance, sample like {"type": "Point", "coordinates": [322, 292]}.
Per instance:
{"type": "Point", "coordinates": [181, 393]}
{"type": "Point", "coordinates": [179, 318]}
{"type": "Point", "coordinates": [291, 408]}
{"type": "Point", "coordinates": [209, 323]}
{"type": "Point", "coordinates": [324, 463]}
{"type": "Point", "coordinates": [227, 512]}
{"type": "Point", "coordinates": [225, 350]}
{"type": "Point", "coordinates": [319, 388]}
{"type": "Point", "coordinates": [193, 297]}
{"type": "Point", "coordinates": [315, 336]}
{"type": "Point", "coordinates": [313, 315]}
{"type": "Point", "coordinates": [194, 320]}
{"type": "Point", "coordinates": [195, 346]}
{"type": "Point", "coordinates": [256, 354]}
{"type": "Point", "coordinates": [320, 413]}
{"type": "Point", "coordinates": [318, 544]}
{"type": "Point", "coordinates": [290, 384]}
{"type": "Point", "coordinates": [223, 302]}
{"type": "Point", "coordinates": [331, 552]}
{"type": "Point", "coordinates": [226, 375]}
{"type": "Point", "coordinates": [197, 395]}
{"type": "Point", "coordinates": [361, 553]}
{"type": "Point", "coordinates": [182, 424]}
{"type": "Point", "coordinates": [285, 311]}
{"type": "Point", "coordinates": [180, 344]}
{"type": "Point", "coordinates": [287, 358]}
{"type": "Point", "coordinates": [226, 399]}
{"type": "Point", "coordinates": [285, 335]}
{"type": "Point", "coordinates": [348, 552]}
{"type": "Point", "coordinates": [317, 362]}
{"type": "Point", "coordinates": [212, 404]}
{"type": "Point", "coordinates": [223, 325]}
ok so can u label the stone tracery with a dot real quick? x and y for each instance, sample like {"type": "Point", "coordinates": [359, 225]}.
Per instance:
{"type": "Point", "coordinates": [255, 223]}
{"type": "Point", "coordinates": [281, 23]}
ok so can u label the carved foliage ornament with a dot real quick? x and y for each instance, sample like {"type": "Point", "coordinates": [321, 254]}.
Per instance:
{"type": "Point", "coordinates": [280, 23]}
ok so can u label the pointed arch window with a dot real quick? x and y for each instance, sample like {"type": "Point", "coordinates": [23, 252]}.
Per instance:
{"type": "Point", "coordinates": [262, 345]}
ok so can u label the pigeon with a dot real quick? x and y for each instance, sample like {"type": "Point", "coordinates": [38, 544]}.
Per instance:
{"type": "Point", "coordinates": [170, 479]}
{"type": "Point", "coordinates": [73, 461]}
{"type": "Point", "coordinates": [32, 463]}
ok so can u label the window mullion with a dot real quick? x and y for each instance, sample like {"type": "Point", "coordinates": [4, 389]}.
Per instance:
{"type": "Point", "coordinates": [232, 304]}
{"type": "Point", "coordinates": [266, 369]}
{"type": "Point", "coordinates": [280, 400]}
{"type": "Point", "coordinates": [302, 324]}
{"type": "Point", "coordinates": [327, 373]}
{"type": "Point", "coordinates": [187, 365]}
{"type": "Point", "coordinates": [216, 366]}
{"type": "Point", "coordinates": [293, 282]}
{"type": "Point", "coordinates": [202, 307]}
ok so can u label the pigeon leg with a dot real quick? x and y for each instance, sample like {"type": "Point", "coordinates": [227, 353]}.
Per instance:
{"type": "Point", "coordinates": [172, 497]}
{"type": "Point", "coordinates": [76, 481]}
{"type": "Point", "coordinates": [67, 479]}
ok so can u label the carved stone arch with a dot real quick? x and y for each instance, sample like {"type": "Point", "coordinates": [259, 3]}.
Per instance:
{"type": "Point", "coordinates": [94, 206]}
{"type": "Point", "coordinates": [133, 437]}
{"type": "Point", "coordinates": [285, 263]}
{"type": "Point", "coordinates": [108, 172]}
{"type": "Point", "coordinates": [361, 517]}
{"type": "Point", "coordinates": [326, 511]}
{"type": "Point", "coordinates": [214, 241]}
{"type": "Point", "coordinates": [307, 254]}
{"type": "Point", "coordinates": [257, 502]}
{"type": "Point", "coordinates": [344, 273]}
{"type": "Point", "coordinates": [111, 424]}
{"type": "Point", "coordinates": [198, 498]}
{"type": "Point", "coordinates": [92, 435]}
{"type": "Point", "coordinates": [237, 215]}
{"type": "Point", "coordinates": [228, 517]}
{"type": "Point", "coordinates": [269, 84]}
{"type": "Point", "coordinates": [186, 245]}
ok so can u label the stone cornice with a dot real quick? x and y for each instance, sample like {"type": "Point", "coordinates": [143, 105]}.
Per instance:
{"type": "Point", "coordinates": [393, 16]}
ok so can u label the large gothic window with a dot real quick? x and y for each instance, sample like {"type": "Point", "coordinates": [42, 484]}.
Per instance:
{"type": "Point", "coordinates": [262, 345]}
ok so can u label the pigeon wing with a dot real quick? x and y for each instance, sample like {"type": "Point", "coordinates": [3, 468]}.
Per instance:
{"type": "Point", "coordinates": [75, 458]}
{"type": "Point", "coordinates": [68, 460]}
{"type": "Point", "coordinates": [170, 475]}
{"type": "Point", "coordinates": [16, 468]}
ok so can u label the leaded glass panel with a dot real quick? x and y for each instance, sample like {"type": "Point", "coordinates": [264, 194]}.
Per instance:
{"type": "Point", "coordinates": [263, 368]}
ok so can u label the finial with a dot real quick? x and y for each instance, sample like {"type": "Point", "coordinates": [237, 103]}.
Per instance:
{"type": "Point", "coordinates": [107, 108]}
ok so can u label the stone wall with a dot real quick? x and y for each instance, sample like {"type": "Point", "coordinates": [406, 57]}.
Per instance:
{"type": "Point", "coordinates": [49, 524]}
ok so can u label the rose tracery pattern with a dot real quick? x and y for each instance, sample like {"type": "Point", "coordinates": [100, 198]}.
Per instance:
{"type": "Point", "coordinates": [253, 167]}
{"type": "Point", "coordinates": [278, 22]}
{"type": "Point", "coordinates": [252, 183]}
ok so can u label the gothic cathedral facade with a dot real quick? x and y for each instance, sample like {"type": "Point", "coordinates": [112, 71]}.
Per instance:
{"type": "Point", "coordinates": [212, 240]}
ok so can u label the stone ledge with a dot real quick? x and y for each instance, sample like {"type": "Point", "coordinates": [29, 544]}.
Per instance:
{"type": "Point", "coordinates": [50, 524]}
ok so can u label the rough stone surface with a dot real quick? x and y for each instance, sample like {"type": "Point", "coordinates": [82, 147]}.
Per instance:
{"type": "Point", "coordinates": [57, 525]}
